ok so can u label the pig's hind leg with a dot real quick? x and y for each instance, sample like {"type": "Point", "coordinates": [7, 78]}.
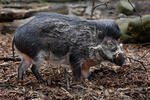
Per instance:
{"type": "Point", "coordinates": [25, 63]}
{"type": "Point", "coordinates": [36, 68]}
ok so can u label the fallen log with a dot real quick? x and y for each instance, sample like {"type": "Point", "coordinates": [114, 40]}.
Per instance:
{"type": "Point", "coordinates": [10, 58]}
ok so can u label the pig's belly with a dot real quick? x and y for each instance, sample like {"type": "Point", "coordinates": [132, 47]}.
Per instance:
{"type": "Point", "coordinates": [51, 58]}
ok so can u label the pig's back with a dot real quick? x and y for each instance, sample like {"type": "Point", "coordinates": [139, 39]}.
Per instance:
{"type": "Point", "coordinates": [47, 31]}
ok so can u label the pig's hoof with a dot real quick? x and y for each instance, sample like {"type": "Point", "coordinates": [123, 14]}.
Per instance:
{"type": "Point", "coordinates": [20, 82]}
{"type": "Point", "coordinates": [77, 79]}
{"type": "Point", "coordinates": [89, 78]}
{"type": "Point", "coordinates": [41, 81]}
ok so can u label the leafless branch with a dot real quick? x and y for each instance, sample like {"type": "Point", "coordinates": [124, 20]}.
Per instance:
{"type": "Point", "coordinates": [146, 44]}
{"type": "Point", "coordinates": [144, 55]}
{"type": "Point", "coordinates": [137, 13]}
{"type": "Point", "coordinates": [95, 6]}
{"type": "Point", "coordinates": [5, 64]}
{"type": "Point", "coordinates": [130, 58]}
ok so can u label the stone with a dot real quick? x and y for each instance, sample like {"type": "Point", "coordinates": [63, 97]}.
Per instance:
{"type": "Point", "coordinates": [125, 7]}
{"type": "Point", "coordinates": [135, 30]}
{"type": "Point", "coordinates": [77, 10]}
{"type": "Point", "coordinates": [59, 0]}
{"type": "Point", "coordinates": [63, 9]}
{"type": "Point", "coordinates": [10, 14]}
{"type": "Point", "coordinates": [18, 1]}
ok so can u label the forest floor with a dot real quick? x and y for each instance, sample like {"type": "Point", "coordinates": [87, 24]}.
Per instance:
{"type": "Point", "coordinates": [125, 83]}
{"type": "Point", "coordinates": [107, 83]}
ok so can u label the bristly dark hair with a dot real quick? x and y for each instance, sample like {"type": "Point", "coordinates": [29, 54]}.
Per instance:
{"type": "Point", "coordinates": [109, 28]}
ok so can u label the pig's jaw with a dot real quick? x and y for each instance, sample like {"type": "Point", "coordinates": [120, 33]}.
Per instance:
{"type": "Point", "coordinates": [97, 52]}
{"type": "Point", "coordinates": [94, 52]}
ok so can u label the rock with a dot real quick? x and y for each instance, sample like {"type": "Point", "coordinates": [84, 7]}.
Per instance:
{"type": "Point", "coordinates": [9, 14]}
{"type": "Point", "coordinates": [63, 9]}
{"type": "Point", "coordinates": [121, 15]}
{"type": "Point", "coordinates": [32, 1]}
{"type": "Point", "coordinates": [59, 0]}
{"type": "Point", "coordinates": [18, 1]}
{"type": "Point", "coordinates": [125, 7]}
{"type": "Point", "coordinates": [135, 30]}
{"type": "Point", "coordinates": [10, 27]}
{"type": "Point", "coordinates": [77, 10]}
{"type": "Point", "coordinates": [96, 13]}
{"type": "Point", "coordinates": [88, 10]}
{"type": "Point", "coordinates": [106, 93]}
{"type": "Point", "coordinates": [24, 5]}
{"type": "Point", "coordinates": [123, 25]}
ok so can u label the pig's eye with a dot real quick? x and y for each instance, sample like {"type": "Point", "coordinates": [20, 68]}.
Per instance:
{"type": "Point", "coordinates": [109, 44]}
{"type": "Point", "coordinates": [112, 46]}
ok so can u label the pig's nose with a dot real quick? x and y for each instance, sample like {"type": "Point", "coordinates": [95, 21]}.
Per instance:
{"type": "Point", "coordinates": [119, 59]}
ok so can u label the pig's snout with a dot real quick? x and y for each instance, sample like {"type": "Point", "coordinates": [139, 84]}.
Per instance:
{"type": "Point", "coordinates": [119, 59]}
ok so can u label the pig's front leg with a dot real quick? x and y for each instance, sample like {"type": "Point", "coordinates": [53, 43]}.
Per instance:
{"type": "Point", "coordinates": [86, 67]}
{"type": "Point", "coordinates": [75, 63]}
{"type": "Point", "coordinates": [85, 70]}
{"type": "Point", "coordinates": [36, 73]}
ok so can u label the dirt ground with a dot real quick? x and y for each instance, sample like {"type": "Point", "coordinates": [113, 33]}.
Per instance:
{"type": "Point", "coordinates": [106, 83]}
{"type": "Point", "coordinates": [126, 83]}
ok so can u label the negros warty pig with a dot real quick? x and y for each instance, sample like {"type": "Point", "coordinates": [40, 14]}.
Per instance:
{"type": "Point", "coordinates": [67, 40]}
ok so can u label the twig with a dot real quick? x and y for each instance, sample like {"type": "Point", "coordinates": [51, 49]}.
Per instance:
{"type": "Point", "coordinates": [10, 58]}
{"type": "Point", "coordinates": [66, 78]}
{"type": "Point", "coordinates": [130, 58]}
{"type": "Point", "coordinates": [144, 55]}
{"type": "Point", "coordinates": [5, 64]}
{"type": "Point", "coordinates": [66, 92]}
{"type": "Point", "coordinates": [145, 44]}
{"type": "Point", "coordinates": [92, 11]}
{"type": "Point", "coordinates": [137, 13]}
{"type": "Point", "coordinates": [95, 98]}
{"type": "Point", "coordinates": [94, 7]}
{"type": "Point", "coordinates": [79, 86]}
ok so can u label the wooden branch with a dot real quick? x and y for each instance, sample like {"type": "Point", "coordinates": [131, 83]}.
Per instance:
{"type": "Point", "coordinates": [144, 55]}
{"type": "Point", "coordinates": [145, 44]}
{"type": "Point", "coordinates": [137, 14]}
{"type": "Point", "coordinates": [94, 7]}
{"type": "Point", "coordinates": [92, 11]}
{"type": "Point", "coordinates": [5, 64]}
{"type": "Point", "coordinates": [10, 58]}
{"type": "Point", "coordinates": [130, 58]}
{"type": "Point", "coordinates": [79, 87]}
